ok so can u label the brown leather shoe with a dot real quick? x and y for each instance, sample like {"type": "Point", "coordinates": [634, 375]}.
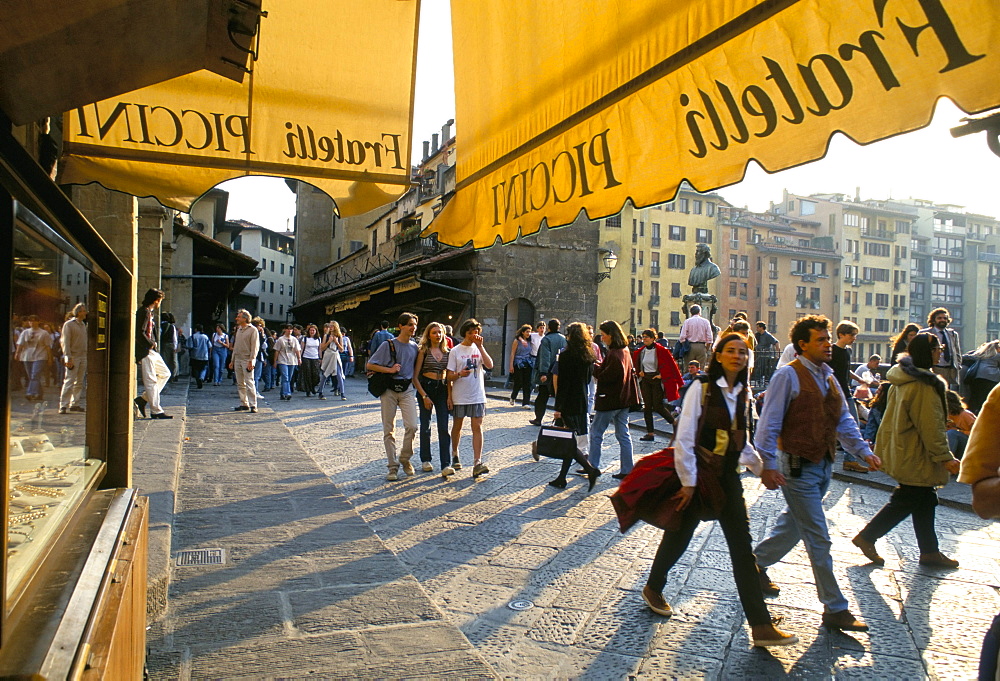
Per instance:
{"type": "Point", "coordinates": [937, 559]}
{"type": "Point", "coordinates": [844, 621]}
{"type": "Point", "coordinates": [766, 585]}
{"type": "Point", "coordinates": [855, 467]}
{"type": "Point", "coordinates": [868, 548]}
{"type": "Point", "coordinates": [656, 602]}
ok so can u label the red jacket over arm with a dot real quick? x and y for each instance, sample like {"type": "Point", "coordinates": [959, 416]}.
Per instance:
{"type": "Point", "coordinates": [667, 367]}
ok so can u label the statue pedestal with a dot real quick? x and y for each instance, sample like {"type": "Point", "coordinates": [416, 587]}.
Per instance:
{"type": "Point", "coordinates": [709, 305]}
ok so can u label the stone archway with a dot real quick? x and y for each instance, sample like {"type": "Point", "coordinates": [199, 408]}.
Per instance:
{"type": "Point", "coordinates": [517, 312]}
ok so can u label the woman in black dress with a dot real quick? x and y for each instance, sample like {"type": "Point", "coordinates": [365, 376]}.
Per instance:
{"type": "Point", "coordinates": [573, 370]}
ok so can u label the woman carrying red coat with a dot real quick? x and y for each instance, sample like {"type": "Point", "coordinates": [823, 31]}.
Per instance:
{"type": "Point", "coordinates": [659, 379]}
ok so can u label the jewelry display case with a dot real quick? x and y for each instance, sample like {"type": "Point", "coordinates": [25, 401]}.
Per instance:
{"type": "Point", "coordinates": [50, 468]}
{"type": "Point", "coordinates": [73, 564]}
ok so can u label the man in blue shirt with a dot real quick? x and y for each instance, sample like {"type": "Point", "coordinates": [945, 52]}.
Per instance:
{"type": "Point", "coordinates": [402, 395]}
{"type": "Point", "coordinates": [381, 336]}
{"type": "Point", "coordinates": [548, 351]}
{"type": "Point", "coordinates": [804, 414]}
{"type": "Point", "coordinates": [199, 346]}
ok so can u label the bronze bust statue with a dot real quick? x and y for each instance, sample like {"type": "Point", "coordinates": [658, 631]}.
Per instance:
{"type": "Point", "coordinates": [704, 269]}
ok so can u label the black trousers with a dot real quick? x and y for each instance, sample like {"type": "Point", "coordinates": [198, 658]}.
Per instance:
{"type": "Point", "coordinates": [652, 401]}
{"type": "Point", "coordinates": [198, 369]}
{"type": "Point", "coordinates": [522, 382]}
{"type": "Point", "coordinates": [907, 500]}
{"type": "Point", "coordinates": [736, 528]}
{"type": "Point", "coordinates": [309, 375]}
{"type": "Point", "coordinates": [542, 401]}
{"type": "Point", "coordinates": [578, 422]}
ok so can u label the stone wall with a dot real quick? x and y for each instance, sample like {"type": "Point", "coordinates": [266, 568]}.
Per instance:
{"type": "Point", "coordinates": [554, 270]}
{"type": "Point", "coordinates": [314, 248]}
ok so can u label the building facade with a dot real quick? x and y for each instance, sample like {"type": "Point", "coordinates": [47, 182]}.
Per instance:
{"type": "Point", "coordinates": [655, 248]}
{"type": "Point", "coordinates": [272, 295]}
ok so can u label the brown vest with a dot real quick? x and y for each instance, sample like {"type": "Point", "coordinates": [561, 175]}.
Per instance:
{"type": "Point", "coordinates": [719, 434]}
{"type": "Point", "coordinates": [810, 426]}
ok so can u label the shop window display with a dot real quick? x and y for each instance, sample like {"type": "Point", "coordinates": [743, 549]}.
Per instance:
{"type": "Point", "coordinates": [50, 464]}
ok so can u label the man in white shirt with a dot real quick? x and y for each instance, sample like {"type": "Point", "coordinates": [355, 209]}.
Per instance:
{"type": "Point", "coordinates": [698, 333]}
{"type": "Point", "coordinates": [467, 392]}
{"type": "Point", "coordinates": [246, 349]}
{"type": "Point", "coordinates": [535, 339]}
{"type": "Point", "coordinates": [74, 347]}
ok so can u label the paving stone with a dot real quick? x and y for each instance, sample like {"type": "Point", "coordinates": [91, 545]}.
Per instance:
{"type": "Point", "coordinates": [164, 664]}
{"type": "Point", "coordinates": [868, 666]}
{"type": "Point", "coordinates": [890, 638]}
{"type": "Point", "coordinates": [948, 630]}
{"type": "Point", "coordinates": [558, 625]}
{"type": "Point", "coordinates": [947, 666]}
{"type": "Point", "coordinates": [623, 624]}
{"type": "Point", "coordinates": [351, 607]}
{"type": "Point", "coordinates": [463, 596]}
{"type": "Point", "coordinates": [523, 556]}
{"type": "Point", "coordinates": [500, 576]}
{"type": "Point", "coordinates": [673, 664]}
{"type": "Point", "coordinates": [212, 617]}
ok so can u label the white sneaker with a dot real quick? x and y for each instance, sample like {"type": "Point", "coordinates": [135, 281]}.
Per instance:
{"type": "Point", "coordinates": [512, 402]}
{"type": "Point", "coordinates": [447, 472]}
{"type": "Point", "coordinates": [428, 467]}
{"type": "Point", "coordinates": [392, 477]}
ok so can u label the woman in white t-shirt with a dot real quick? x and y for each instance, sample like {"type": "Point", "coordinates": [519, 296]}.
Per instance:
{"type": "Point", "coordinates": [34, 350]}
{"type": "Point", "coordinates": [287, 356]}
{"type": "Point", "coordinates": [467, 362]}
{"type": "Point", "coordinates": [220, 346]}
{"type": "Point", "coordinates": [309, 376]}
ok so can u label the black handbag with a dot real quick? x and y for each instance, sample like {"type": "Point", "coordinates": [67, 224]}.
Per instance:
{"type": "Point", "coordinates": [554, 442]}
{"type": "Point", "coordinates": [379, 381]}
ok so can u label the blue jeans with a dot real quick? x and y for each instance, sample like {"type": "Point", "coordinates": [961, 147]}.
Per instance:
{"type": "Point", "coordinates": [286, 378]}
{"type": "Point", "coordinates": [804, 518]}
{"type": "Point", "coordinates": [602, 419]}
{"type": "Point", "coordinates": [956, 442]}
{"type": "Point", "coordinates": [438, 392]}
{"type": "Point", "coordinates": [338, 383]}
{"type": "Point", "coordinates": [218, 364]}
{"type": "Point", "coordinates": [258, 371]}
{"type": "Point", "coordinates": [852, 406]}
{"type": "Point", "coordinates": [34, 371]}
{"type": "Point", "coordinates": [268, 375]}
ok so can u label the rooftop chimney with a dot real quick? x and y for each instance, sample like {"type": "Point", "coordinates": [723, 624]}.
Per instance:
{"type": "Point", "coordinates": [446, 131]}
{"type": "Point", "coordinates": [427, 146]}
{"type": "Point", "coordinates": [434, 143]}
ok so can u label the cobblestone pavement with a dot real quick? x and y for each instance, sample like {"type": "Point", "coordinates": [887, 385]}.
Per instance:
{"type": "Point", "coordinates": [476, 546]}
{"type": "Point", "coordinates": [306, 588]}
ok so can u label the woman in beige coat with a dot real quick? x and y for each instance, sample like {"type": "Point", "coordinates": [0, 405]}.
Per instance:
{"type": "Point", "coordinates": [914, 451]}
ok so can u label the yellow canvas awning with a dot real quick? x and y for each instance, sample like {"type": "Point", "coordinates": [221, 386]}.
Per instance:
{"type": "Point", "coordinates": [329, 101]}
{"type": "Point", "coordinates": [570, 106]}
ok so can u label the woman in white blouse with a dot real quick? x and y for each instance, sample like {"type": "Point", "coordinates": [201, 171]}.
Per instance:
{"type": "Point", "coordinates": [713, 440]}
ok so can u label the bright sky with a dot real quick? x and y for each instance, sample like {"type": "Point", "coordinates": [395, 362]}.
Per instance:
{"type": "Point", "coordinates": [927, 164]}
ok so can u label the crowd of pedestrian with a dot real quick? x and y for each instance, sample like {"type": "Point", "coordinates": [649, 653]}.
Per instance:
{"type": "Point", "coordinates": [909, 421]}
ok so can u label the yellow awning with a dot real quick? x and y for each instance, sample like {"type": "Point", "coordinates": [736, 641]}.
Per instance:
{"type": "Point", "coordinates": [329, 101]}
{"type": "Point", "coordinates": [565, 107]}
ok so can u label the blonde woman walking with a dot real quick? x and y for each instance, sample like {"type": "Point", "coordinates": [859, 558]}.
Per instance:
{"type": "Point", "coordinates": [430, 380]}
{"type": "Point", "coordinates": [331, 364]}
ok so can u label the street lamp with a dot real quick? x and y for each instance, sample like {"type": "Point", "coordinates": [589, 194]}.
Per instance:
{"type": "Point", "coordinates": [610, 260]}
